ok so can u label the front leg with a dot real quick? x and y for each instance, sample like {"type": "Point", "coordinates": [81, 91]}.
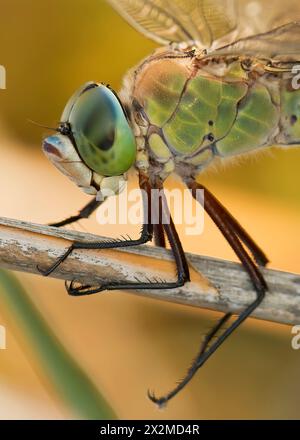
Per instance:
{"type": "Point", "coordinates": [165, 225]}
{"type": "Point", "coordinates": [183, 274]}
{"type": "Point", "coordinates": [85, 212]}
{"type": "Point", "coordinates": [146, 233]}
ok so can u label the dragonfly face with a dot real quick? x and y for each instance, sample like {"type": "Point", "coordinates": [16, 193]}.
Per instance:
{"type": "Point", "coordinates": [95, 145]}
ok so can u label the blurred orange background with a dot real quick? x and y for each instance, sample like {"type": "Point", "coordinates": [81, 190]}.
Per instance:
{"type": "Point", "coordinates": [128, 344]}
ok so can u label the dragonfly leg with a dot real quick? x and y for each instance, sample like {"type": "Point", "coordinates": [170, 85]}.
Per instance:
{"type": "Point", "coordinates": [85, 212]}
{"type": "Point", "coordinates": [89, 208]}
{"type": "Point", "coordinates": [158, 230]}
{"type": "Point", "coordinates": [194, 367]}
{"type": "Point", "coordinates": [258, 281]}
{"type": "Point", "coordinates": [145, 236]}
{"type": "Point", "coordinates": [159, 236]}
{"type": "Point", "coordinates": [179, 255]}
{"type": "Point", "coordinates": [255, 250]}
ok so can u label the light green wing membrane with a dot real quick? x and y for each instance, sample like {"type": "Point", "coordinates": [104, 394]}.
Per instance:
{"type": "Point", "coordinates": [165, 21]}
{"type": "Point", "coordinates": [282, 42]}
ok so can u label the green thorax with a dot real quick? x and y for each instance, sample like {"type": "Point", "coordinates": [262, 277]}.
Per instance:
{"type": "Point", "coordinates": [197, 109]}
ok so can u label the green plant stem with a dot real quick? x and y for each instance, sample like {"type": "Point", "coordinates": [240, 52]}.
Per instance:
{"type": "Point", "coordinates": [72, 384]}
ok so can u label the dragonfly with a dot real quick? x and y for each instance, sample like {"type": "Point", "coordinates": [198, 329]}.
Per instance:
{"type": "Point", "coordinates": [216, 88]}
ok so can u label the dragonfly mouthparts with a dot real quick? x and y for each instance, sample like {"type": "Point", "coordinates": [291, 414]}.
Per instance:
{"type": "Point", "coordinates": [50, 148]}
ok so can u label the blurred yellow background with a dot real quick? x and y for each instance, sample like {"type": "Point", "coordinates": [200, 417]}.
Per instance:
{"type": "Point", "coordinates": [128, 344]}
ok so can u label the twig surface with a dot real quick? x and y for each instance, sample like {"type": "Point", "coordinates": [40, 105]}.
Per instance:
{"type": "Point", "coordinates": [216, 284]}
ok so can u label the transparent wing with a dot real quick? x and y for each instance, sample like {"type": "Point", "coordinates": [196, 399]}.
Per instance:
{"type": "Point", "coordinates": [165, 21]}
{"type": "Point", "coordinates": [282, 42]}
{"type": "Point", "coordinates": [264, 15]}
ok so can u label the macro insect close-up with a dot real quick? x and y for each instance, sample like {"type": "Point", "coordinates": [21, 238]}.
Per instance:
{"type": "Point", "coordinates": [219, 86]}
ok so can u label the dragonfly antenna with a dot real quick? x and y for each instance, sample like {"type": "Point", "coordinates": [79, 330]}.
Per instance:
{"type": "Point", "coordinates": [41, 125]}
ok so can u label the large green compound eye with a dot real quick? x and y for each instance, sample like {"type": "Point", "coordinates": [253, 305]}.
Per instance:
{"type": "Point", "coordinates": [99, 127]}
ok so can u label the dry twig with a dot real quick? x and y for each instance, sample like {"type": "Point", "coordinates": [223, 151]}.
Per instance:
{"type": "Point", "coordinates": [216, 284]}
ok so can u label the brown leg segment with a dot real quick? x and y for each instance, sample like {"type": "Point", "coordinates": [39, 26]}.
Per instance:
{"type": "Point", "coordinates": [159, 236]}
{"type": "Point", "coordinates": [255, 250]}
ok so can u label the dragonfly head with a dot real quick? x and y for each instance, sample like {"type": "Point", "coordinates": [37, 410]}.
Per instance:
{"type": "Point", "coordinates": [95, 145]}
